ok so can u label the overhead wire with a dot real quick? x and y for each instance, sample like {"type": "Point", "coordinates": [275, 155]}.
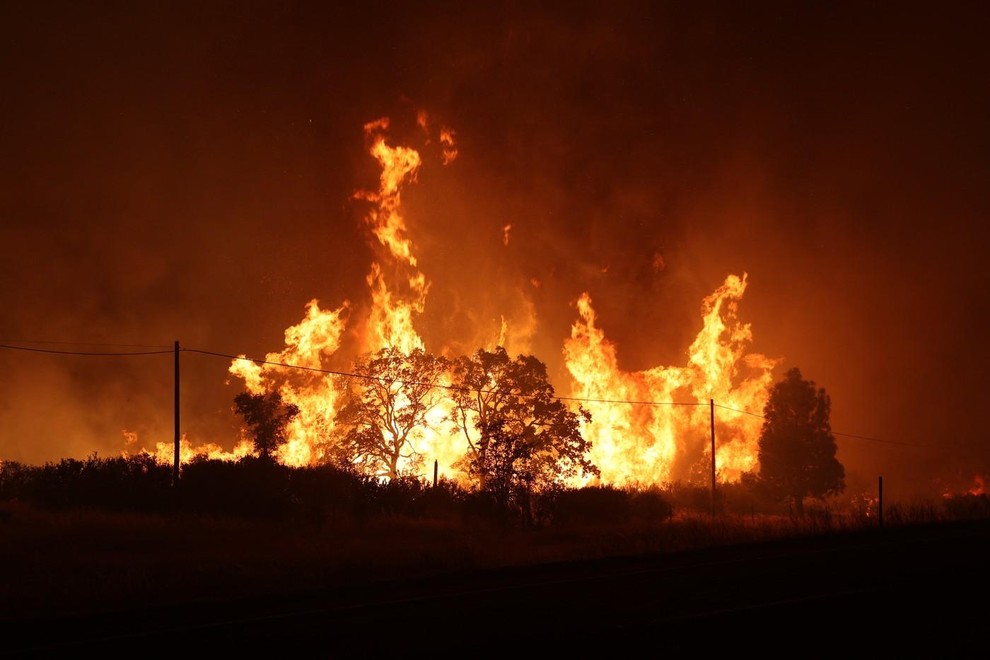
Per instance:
{"type": "Point", "coordinates": [80, 343]}
{"type": "Point", "coordinates": [630, 402]}
{"type": "Point", "coordinates": [889, 442]}
{"type": "Point", "coordinates": [460, 388]}
{"type": "Point", "coordinates": [744, 412]}
{"type": "Point", "coordinates": [839, 433]}
{"type": "Point", "coordinates": [95, 353]}
{"type": "Point", "coordinates": [164, 350]}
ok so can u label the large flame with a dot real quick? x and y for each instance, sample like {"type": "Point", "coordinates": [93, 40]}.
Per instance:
{"type": "Point", "coordinates": [654, 426]}
{"type": "Point", "coordinates": [647, 427]}
{"type": "Point", "coordinates": [398, 294]}
{"type": "Point", "coordinates": [308, 344]}
{"type": "Point", "coordinates": [397, 300]}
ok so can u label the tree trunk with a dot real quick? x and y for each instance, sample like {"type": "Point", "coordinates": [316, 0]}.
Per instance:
{"type": "Point", "coordinates": [482, 465]}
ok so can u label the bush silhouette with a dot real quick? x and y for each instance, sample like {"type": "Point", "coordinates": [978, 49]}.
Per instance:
{"type": "Point", "coordinates": [590, 505]}
{"type": "Point", "coordinates": [135, 483]}
{"type": "Point", "coordinates": [249, 488]}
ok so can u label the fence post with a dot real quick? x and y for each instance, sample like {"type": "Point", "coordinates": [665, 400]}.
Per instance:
{"type": "Point", "coordinates": [880, 501]}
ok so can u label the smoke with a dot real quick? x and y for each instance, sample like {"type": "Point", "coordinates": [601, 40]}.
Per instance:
{"type": "Point", "coordinates": [181, 173]}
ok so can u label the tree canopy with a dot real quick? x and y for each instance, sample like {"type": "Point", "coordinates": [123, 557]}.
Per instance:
{"type": "Point", "coordinates": [796, 447]}
{"type": "Point", "coordinates": [386, 403]}
{"type": "Point", "coordinates": [267, 417]}
{"type": "Point", "coordinates": [520, 437]}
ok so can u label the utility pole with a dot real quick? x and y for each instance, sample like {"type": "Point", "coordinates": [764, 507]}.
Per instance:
{"type": "Point", "coordinates": [711, 403]}
{"type": "Point", "coordinates": [436, 465]}
{"type": "Point", "coordinates": [175, 460]}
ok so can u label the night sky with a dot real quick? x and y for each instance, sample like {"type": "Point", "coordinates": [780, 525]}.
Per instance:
{"type": "Point", "coordinates": [185, 171]}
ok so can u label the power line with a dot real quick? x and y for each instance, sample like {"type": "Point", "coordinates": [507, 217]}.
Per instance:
{"type": "Point", "coordinates": [744, 412]}
{"type": "Point", "coordinates": [80, 343]}
{"type": "Point", "coordinates": [636, 403]}
{"type": "Point", "coordinates": [889, 442]}
{"type": "Point", "coordinates": [560, 398]}
{"type": "Point", "coordinates": [95, 353]}
{"type": "Point", "coordinates": [299, 366]}
{"type": "Point", "coordinates": [845, 435]}
{"type": "Point", "coordinates": [459, 388]}
{"type": "Point", "coordinates": [347, 374]}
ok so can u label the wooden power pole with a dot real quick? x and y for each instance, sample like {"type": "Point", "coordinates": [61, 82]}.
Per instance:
{"type": "Point", "coordinates": [711, 403]}
{"type": "Point", "coordinates": [175, 460]}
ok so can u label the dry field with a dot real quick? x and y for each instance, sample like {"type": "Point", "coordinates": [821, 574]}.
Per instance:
{"type": "Point", "coordinates": [75, 561]}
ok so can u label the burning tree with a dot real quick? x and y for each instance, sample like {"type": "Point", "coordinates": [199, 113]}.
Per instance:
{"type": "Point", "coordinates": [267, 417]}
{"type": "Point", "coordinates": [387, 405]}
{"type": "Point", "coordinates": [520, 436]}
{"type": "Point", "coordinates": [482, 389]}
{"type": "Point", "coordinates": [796, 447]}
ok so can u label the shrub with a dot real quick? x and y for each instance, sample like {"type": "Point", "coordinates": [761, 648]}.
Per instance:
{"type": "Point", "coordinates": [14, 478]}
{"type": "Point", "coordinates": [249, 488]}
{"type": "Point", "coordinates": [689, 497]}
{"type": "Point", "coordinates": [444, 500]}
{"type": "Point", "coordinates": [650, 505]}
{"type": "Point", "coordinates": [135, 483]}
{"type": "Point", "coordinates": [590, 505]}
{"type": "Point", "coordinates": [328, 493]}
{"type": "Point", "coordinates": [401, 496]}
{"type": "Point", "coordinates": [968, 506]}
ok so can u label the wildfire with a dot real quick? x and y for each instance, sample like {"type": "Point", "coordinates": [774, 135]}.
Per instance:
{"type": "Point", "coordinates": [164, 452]}
{"type": "Point", "coordinates": [665, 434]}
{"type": "Point", "coordinates": [395, 302]}
{"type": "Point", "coordinates": [647, 427]}
{"type": "Point", "coordinates": [398, 292]}
{"type": "Point", "coordinates": [307, 344]}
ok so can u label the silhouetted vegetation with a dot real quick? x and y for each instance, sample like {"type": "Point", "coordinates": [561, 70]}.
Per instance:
{"type": "Point", "coordinates": [968, 506]}
{"type": "Point", "coordinates": [255, 488]}
{"type": "Point", "coordinates": [266, 416]}
{"type": "Point", "coordinates": [384, 407]}
{"type": "Point", "coordinates": [796, 447]}
{"type": "Point", "coordinates": [136, 483]}
{"type": "Point", "coordinates": [249, 488]}
{"type": "Point", "coordinates": [608, 505]}
{"type": "Point", "coordinates": [523, 442]}
{"type": "Point", "coordinates": [114, 530]}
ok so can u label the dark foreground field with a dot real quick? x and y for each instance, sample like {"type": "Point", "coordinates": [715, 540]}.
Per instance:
{"type": "Point", "coordinates": [918, 590]}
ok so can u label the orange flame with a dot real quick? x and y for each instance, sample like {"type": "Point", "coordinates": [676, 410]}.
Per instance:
{"type": "Point", "coordinates": [308, 344]}
{"type": "Point", "coordinates": [638, 436]}
{"type": "Point", "coordinates": [164, 452]}
{"type": "Point", "coordinates": [398, 294]}
{"type": "Point", "coordinates": [398, 165]}
{"type": "Point", "coordinates": [653, 426]}
{"type": "Point", "coordinates": [448, 146]}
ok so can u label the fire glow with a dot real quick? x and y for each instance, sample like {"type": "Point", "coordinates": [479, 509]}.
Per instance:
{"type": "Point", "coordinates": [647, 428]}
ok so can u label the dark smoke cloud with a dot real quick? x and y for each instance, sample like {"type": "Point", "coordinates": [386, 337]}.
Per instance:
{"type": "Point", "coordinates": [185, 172]}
